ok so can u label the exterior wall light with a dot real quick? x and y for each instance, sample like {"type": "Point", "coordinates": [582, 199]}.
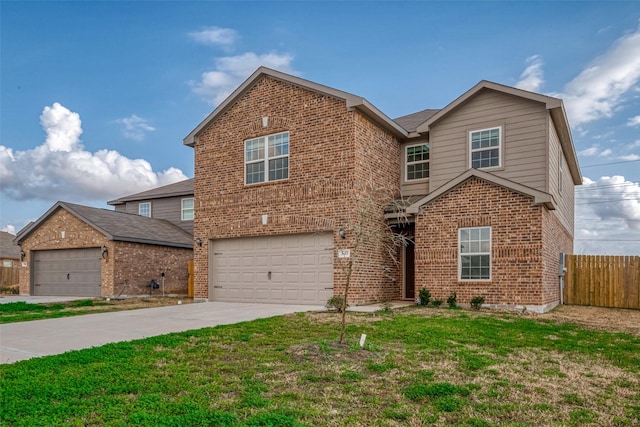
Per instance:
{"type": "Point", "coordinates": [342, 233]}
{"type": "Point", "coordinates": [199, 241]}
{"type": "Point", "coordinates": [22, 255]}
{"type": "Point", "coordinates": [105, 252]}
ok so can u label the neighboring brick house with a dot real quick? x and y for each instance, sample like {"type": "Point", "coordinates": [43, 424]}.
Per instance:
{"type": "Point", "coordinates": [487, 183]}
{"type": "Point", "coordinates": [75, 250]}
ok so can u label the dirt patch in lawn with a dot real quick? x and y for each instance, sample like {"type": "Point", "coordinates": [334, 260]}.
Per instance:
{"type": "Point", "coordinates": [601, 318]}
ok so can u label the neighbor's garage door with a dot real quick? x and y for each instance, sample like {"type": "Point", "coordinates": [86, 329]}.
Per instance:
{"type": "Point", "coordinates": [290, 269]}
{"type": "Point", "coordinates": [67, 272]}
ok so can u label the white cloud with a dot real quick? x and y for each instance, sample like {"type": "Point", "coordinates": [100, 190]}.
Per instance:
{"type": "Point", "coordinates": [630, 157]}
{"type": "Point", "coordinates": [532, 77]}
{"type": "Point", "coordinates": [610, 198]}
{"type": "Point", "coordinates": [591, 151]}
{"type": "Point", "coordinates": [634, 144]}
{"type": "Point", "coordinates": [634, 121]}
{"type": "Point", "coordinates": [135, 127]}
{"type": "Point", "coordinates": [606, 152]}
{"type": "Point", "coordinates": [63, 128]}
{"type": "Point", "coordinates": [608, 216]}
{"type": "Point", "coordinates": [230, 71]}
{"type": "Point", "coordinates": [215, 36]}
{"type": "Point", "coordinates": [601, 88]}
{"type": "Point", "coordinates": [9, 229]}
{"type": "Point", "coordinates": [60, 169]}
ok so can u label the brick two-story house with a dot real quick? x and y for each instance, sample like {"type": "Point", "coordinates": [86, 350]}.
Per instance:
{"type": "Point", "coordinates": [487, 184]}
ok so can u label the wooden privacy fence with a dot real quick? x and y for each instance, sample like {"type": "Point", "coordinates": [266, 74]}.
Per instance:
{"type": "Point", "coordinates": [9, 276]}
{"type": "Point", "coordinates": [603, 281]}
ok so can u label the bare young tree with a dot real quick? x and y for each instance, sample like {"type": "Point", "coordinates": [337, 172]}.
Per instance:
{"type": "Point", "coordinates": [365, 227]}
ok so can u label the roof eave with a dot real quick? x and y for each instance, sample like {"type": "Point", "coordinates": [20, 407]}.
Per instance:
{"type": "Point", "coordinates": [157, 196]}
{"type": "Point", "coordinates": [559, 117]}
{"type": "Point", "coordinates": [26, 231]}
{"type": "Point", "coordinates": [539, 197]}
{"type": "Point", "coordinates": [152, 242]}
{"type": "Point", "coordinates": [370, 110]}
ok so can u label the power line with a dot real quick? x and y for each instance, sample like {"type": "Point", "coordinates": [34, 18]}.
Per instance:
{"type": "Point", "coordinates": [597, 187]}
{"type": "Point", "coordinates": [611, 219]}
{"type": "Point", "coordinates": [607, 201]}
{"type": "Point", "coordinates": [607, 164]}
{"type": "Point", "coordinates": [607, 240]}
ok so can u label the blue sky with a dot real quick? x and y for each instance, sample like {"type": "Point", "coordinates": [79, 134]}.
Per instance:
{"type": "Point", "coordinates": [97, 96]}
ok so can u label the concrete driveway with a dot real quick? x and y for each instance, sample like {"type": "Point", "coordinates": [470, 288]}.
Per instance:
{"type": "Point", "coordinates": [25, 340]}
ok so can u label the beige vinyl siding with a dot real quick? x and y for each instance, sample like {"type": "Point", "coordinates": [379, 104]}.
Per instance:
{"type": "Point", "coordinates": [169, 208]}
{"type": "Point", "coordinates": [564, 199]}
{"type": "Point", "coordinates": [412, 188]}
{"type": "Point", "coordinates": [121, 207]}
{"type": "Point", "coordinates": [523, 139]}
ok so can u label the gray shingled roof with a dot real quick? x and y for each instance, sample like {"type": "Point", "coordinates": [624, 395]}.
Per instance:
{"type": "Point", "coordinates": [410, 122]}
{"type": "Point", "coordinates": [182, 188]}
{"type": "Point", "coordinates": [7, 249]}
{"type": "Point", "coordinates": [120, 226]}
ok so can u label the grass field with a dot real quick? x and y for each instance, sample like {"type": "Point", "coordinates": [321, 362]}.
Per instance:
{"type": "Point", "coordinates": [24, 312]}
{"type": "Point", "coordinates": [418, 367]}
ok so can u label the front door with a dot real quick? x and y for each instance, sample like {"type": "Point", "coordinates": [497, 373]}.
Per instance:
{"type": "Point", "coordinates": [409, 271]}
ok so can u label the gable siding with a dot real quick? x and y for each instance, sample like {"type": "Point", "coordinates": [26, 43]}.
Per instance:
{"type": "Point", "coordinates": [564, 199]}
{"type": "Point", "coordinates": [169, 208]}
{"type": "Point", "coordinates": [524, 137]}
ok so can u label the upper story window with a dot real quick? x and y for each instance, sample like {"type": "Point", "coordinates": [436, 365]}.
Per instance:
{"type": "Point", "coordinates": [485, 146]}
{"type": "Point", "coordinates": [187, 209]}
{"type": "Point", "coordinates": [144, 209]}
{"type": "Point", "coordinates": [417, 163]}
{"type": "Point", "coordinates": [266, 158]}
{"type": "Point", "coordinates": [474, 262]}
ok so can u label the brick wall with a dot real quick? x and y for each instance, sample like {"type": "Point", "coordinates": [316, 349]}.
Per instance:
{"type": "Point", "coordinates": [77, 234]}
{"type": "Point", "coordinates": [136, 264]}
{"type": "Point", "coordinates": [557, 239]}
{"type": "Point", "coordinates": [319, 195]}
{"type": "Point", "coordinates": [517, 245]}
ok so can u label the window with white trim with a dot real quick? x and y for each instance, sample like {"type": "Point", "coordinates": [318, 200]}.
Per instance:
{"type": "Point", "coordinates": [417, 162]}
{"type": "Point", "coordinates": [266, 158]}
{"type": "Point", "coordinates": [187, 209]}
{"type": "Point", "coordinates": [484, 148]}
{"type": "Point", "coordinates": [475, 253]}
{"type": "Point", "coordinates": [144, 209]}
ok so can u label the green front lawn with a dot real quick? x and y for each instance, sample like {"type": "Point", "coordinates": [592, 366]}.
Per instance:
{"type": "Point", "coordinates": [418, 367]}
{"type": "Point", "coordinates": [23, 312]}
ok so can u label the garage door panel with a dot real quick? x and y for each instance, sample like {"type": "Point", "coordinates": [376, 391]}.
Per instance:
{"type": "Point", "coordinates": [301, 267]}
{"type": "Point", "coordinates": [67, 272]}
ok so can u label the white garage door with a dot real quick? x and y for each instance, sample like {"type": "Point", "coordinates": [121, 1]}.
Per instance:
{"type": "Point", "coordinates": [289, 269]}
{"type": "Point", "coordinates": [67, 272]}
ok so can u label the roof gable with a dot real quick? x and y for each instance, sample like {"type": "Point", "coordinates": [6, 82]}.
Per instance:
{"type": "Point", "coordinates": [7, 248]}
{"type": "Point", "coordinates": [353, 102]}
{"type": "Point", "coordinates": [539, 197]}
{"type": "Point", "coordinates": [118, 226]}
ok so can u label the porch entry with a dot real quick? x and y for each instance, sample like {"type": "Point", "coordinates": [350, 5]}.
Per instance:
{"type": "Point", "coordinates": [409, 284]}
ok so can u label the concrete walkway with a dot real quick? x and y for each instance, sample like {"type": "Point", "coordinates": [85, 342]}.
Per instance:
{"type": "Point", "coordinates": [25, 340]}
